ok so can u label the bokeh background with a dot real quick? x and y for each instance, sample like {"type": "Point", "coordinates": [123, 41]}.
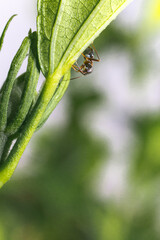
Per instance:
{"type": "Point", "coordinates": [93, 171]}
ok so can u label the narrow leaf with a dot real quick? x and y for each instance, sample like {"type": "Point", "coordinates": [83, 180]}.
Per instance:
{"type": "Point", "coordinates": [3, 139]}
{"type": "Point", "coordinates": [7, 87]}
{"type": "Point", "coordinates": [31, 78]}
{"type": "Point", "coordinates": [4, 31]}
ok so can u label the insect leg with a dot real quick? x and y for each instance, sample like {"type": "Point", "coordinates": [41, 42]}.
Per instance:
{"type": "Point", "coordinates": [78, 69]}
{"type": "Point", "coordinates": [98, 58]}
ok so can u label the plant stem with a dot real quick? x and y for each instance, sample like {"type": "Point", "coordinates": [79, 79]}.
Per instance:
{"type": "Point", "coordinates": [7, 167]}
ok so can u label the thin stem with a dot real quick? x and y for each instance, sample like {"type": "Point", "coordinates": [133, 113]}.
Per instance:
{"type": "Point", "coordinates": [55, 99]}
{"type": "Point", "coordinates": [7, 167]}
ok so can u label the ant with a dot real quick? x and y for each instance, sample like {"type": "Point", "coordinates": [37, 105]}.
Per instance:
{"type": "Point", "coordinates": [87, 66]}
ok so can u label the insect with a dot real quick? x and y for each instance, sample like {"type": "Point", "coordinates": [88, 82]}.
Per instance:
{"type": "Point", "coordinates": [87, 66]}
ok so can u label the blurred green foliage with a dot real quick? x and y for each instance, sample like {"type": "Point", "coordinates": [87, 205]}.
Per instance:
{"type": "Point", "coordinates": [147, 154]}
{"type": "Point", "coordinates": [57, 202]}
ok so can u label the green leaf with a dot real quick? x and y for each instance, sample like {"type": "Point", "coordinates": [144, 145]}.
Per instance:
{"type": "Point", "coordinates": [47, 12]}
{"type": "Point", "coordinates": [8, 85]}
{"type": "Point", "coordinates": [31, 78]}
{"type": "Point", "coordinates": [67, 27]}
{"type": "Point", "coordinates": [3, 140]}
{"type": "Point", "coordinates": [4, 31]}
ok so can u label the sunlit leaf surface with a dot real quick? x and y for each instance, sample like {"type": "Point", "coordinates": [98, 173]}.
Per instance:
{"type": "Point", "coordinates": [67, 27]}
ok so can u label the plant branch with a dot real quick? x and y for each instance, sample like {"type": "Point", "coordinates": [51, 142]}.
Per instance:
{"type": "Point", "coordinates": [8, 166]}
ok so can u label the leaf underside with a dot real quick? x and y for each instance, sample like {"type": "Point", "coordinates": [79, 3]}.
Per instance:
{"type": "Point", "coordinates": [67, 27]}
